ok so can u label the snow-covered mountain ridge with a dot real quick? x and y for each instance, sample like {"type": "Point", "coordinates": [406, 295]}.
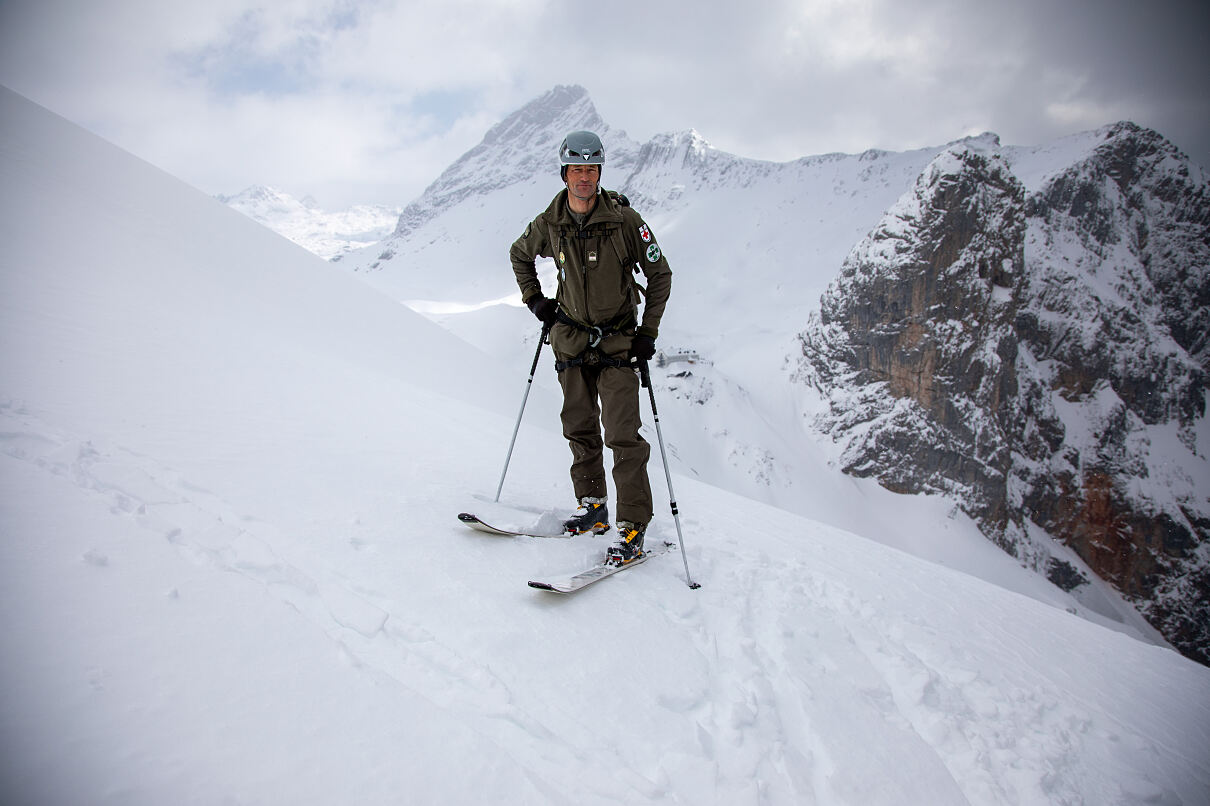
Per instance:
{"type": "Point", "coordinates": [756, 245]}
{"type": "Point", "coordinates": [328, 234]}
{"type": "Point", "coordinates": [232, 572]}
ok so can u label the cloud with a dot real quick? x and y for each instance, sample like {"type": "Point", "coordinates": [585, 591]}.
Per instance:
{"type": "Point", "coordinates": [795, 78]}
{"type": "Point", "coordinates": [368, 100]}
{"type": "Point", "coordinates": [316, 97]}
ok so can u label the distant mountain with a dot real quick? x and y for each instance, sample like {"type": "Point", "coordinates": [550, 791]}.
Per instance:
{"type": "Point", "coordinates": [514, 150]}
{"type": "Point", "coordinates": [738, 219]}
{"type": "Point", "coordinates": [1021, 330]}
{"type": "Point", "coordinates": [327, 234]}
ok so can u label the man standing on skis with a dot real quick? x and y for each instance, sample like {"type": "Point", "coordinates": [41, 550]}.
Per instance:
{"type": "Point", "coordinates": [598, 243]}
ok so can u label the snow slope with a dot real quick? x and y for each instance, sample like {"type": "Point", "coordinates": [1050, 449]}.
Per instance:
{"type": "Point", "coordinates": [232, 572]}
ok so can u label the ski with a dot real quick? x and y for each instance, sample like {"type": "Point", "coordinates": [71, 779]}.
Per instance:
{"type": "Point", "coordinates": [479, 525]}
{"type": "Point", "coordinates": [588, 576]}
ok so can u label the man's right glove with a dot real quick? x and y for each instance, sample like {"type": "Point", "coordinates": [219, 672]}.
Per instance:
{"type": "Point", "coordinates": [642, 348]}
{"type": "Point", "coordinates": [547, 310]}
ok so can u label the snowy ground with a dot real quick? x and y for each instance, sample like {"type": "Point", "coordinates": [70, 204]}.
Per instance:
{"type": "Point", "coordinates": [232, 572]}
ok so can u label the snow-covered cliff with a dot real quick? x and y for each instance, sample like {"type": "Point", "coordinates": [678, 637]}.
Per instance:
{"type": "Point", "coordinates": [1041, 357]}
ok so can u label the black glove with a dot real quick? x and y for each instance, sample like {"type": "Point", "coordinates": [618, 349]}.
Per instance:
{"type": "Point", "coordinates": [547, 310]}
{"type": "Point", "coordinates": [642, 347]}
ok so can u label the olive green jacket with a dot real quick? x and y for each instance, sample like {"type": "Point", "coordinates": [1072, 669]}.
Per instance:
{"type": "Point", "coordinates": [595, 264]}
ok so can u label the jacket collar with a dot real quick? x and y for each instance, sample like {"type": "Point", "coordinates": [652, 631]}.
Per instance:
{"type": "Point", "coordinates": [606, 211]}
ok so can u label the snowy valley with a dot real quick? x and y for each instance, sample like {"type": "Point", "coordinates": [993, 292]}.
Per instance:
{"type": "Point", "coordinates": [233, 572]}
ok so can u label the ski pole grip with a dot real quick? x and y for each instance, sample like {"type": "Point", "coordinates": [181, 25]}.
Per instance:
{"type": "Point", "coordinates": [644, 372]}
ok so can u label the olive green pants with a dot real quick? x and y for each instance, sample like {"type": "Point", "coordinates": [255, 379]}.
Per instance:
{"type": "Point", "coordinates": [608, 395]}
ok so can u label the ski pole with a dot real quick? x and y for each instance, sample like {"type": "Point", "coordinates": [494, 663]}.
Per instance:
{"type": "Point", "coordinates": [645, 375]}
{"type": "Point", "coordinates": [528, 385]}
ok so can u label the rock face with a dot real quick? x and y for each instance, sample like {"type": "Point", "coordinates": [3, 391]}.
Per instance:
{"type": "Point", "coordinates": [1041, 357]}
{"type": "Point", "coordinates": [919, 325]}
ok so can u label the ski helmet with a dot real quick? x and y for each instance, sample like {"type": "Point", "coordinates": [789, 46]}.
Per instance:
{"type": "Point", "coordinates": [580, 148]}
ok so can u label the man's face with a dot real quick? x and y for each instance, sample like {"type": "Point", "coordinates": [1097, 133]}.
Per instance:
{"type": "Point", "coordinates": [582, 180]}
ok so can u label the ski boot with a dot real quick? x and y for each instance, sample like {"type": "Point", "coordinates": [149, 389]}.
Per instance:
{"type": "Point", "coordinates": [592, 516]}
{"type": "Point", "coordinates": [629, 544]}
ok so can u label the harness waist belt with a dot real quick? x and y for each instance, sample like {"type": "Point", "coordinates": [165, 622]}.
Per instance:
{"type": "Point", "coordinates": [596, 333]}
{"type": "Point", "coordinates": [591, 358]}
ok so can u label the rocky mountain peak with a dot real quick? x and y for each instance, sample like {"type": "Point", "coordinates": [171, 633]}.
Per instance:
{"type": "Point", "coordinates": [1040, 358]}
{"type": "Point", "coordinates": [1137, 196]}
{"type": "Point", "coordinates": [520, 147]}
{"type": "Point", "coordinates": [563, 109]}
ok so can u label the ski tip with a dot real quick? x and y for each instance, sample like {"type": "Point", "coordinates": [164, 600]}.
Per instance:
{"type": "Point", "coordinates": [467, 517]}
{"type": "Point", "coordinates": [543, 586]}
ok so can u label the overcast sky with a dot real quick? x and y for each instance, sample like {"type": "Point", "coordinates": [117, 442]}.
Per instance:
{"type": "Point", "coordinates": [367, 101]}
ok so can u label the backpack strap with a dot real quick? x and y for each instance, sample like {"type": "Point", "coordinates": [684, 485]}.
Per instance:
{"type": "Point", "coordinates": [618, 239]}
{"type": "Point", "coordinates": [619, 198]}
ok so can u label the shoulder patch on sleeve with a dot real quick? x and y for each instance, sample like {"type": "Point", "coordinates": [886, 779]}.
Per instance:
{"type": "Point", "coordinates": [653, 253]}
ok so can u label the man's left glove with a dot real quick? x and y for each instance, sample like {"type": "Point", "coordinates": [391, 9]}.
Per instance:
{"type": "Point", "coordinates": [642, 347]}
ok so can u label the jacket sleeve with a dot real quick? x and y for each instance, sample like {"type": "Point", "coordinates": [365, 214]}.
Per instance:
{"type": "Point", "coordinates": [524, 252]}
{"type": "Point", "coordinates": [655, 268]}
